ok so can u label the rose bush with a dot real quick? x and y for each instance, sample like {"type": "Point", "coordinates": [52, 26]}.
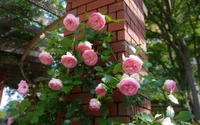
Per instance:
{"type": "Point", "coordinates": [75, 64]}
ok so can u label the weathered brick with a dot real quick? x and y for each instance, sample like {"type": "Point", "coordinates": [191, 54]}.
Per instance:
{"type": "Point", "coordinates": [103, 10]}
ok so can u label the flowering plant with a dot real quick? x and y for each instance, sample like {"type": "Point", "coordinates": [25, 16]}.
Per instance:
{"type": "Point", "coordinates": [75, 62]}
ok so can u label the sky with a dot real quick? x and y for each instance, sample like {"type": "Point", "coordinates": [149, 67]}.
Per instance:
{"type": "Point", "coordinates": [5, 99]}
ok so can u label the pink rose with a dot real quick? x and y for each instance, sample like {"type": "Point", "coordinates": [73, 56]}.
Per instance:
{"type": "Point", "coordinates": [10, 120]}
{"type": "Point", "coordinates": [46, 58]}
{"type": "Point", "coordinates": [132, 65]}
{"type": "Point", "coordinates": [128, 86]}
{"type": "Point", "coordinates": [169, 86]}
{"type": "Point", "coordinates": [23, 88]}
{"type": "Point", "coordinates": [55, 84]}
{"type": "Point", "coordinates": [94, 104]}
{"type": "Point", "coordinates": [71, 22]}
{"type": "Point", "coordinates": [82, 46]}
{"type": "Point", "coordinates": [97, 21]}
{"type": "Point", "coordinates": [90, 58]}
{"type": "Point", "coordinates": [100, 90]}
{"type": "Point", "coordinates": [69, 61]}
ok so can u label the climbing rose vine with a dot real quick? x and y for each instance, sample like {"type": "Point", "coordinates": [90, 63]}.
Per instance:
{"type": "Point", "coordinates": [76, 63]}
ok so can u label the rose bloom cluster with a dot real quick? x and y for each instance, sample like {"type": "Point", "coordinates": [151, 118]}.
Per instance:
{"type": "Point", "coordinates": [129, 84]}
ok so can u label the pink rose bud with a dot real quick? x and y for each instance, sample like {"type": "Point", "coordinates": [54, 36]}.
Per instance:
{"type": "Point", "coordinates": [69, 61]}
{"type": "Point", "coordinates": [82, 46]}
{"type": "Point", "coordinates": [94, 104]}
{"type": "Point", "coordinates": [23, 88]}
{"type": "Point", "coordinates": [71, 22]}
{"type": "Point", "coordinates": [55, 84]}
{"type": "Point", "coordinates": [100, 90]}
{"type": "Point", "coordinates": [46, 58]}
{"type": "Point", "coordinates": [169, 86]}
{"type": "Point", "coordinates": [128, 86]}
{"type": "Point", "coordinates": [10, 121]}
{"type": "Point", "coordinates": [132, 65]}
{"type": "Point", "coordinates": [90, 58]}
{"type": "Point", "coordinates": [97, 21]}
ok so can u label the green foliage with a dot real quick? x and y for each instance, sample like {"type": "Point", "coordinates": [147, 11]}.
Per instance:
{"type": "Point", "coordinates": [53, 105]}
{"type": "Point", "coordinates": [184, 116]}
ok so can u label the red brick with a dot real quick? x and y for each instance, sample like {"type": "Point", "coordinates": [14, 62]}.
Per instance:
{"type": "Point", "coordinates": [103, 10]}
{"type": "Point", "coordinates": [69, 6]}
{"type": "Point", "coordinates": [82, 9]}
{"type": "Point", "coordinates": [120, 14]}
{"type": "Point", "coordinates": [117, 96]}
{"type": "Point", "coordinates": [118, 46]}
{"type": "Point", "coordinates": [123, 119]}
{"type": "Point", "coordinates": [96, 113]}
{"type": "Point", "coordinates": [76, 89]}
{"type": "Point", "coordinates": [112, 109]}
{"type": "Point", "coordinates": [99, 3]}
{"type": "Point", "coordinates": [80, 3]}
{"type": "Point", "coordinates": [112, 15]}
{"type": "Point", "coordinates": [114, 36]}
{"type": "Point", "coordinates": [74, 12]}
{"type": "Point", "coordinates": [115, 7]}
{"type": "Point", "coordinates": [123, 110]}
{"type": "Point", "coordinates": [82, 16]}
{"type": "Point", "coordinates": [115, 26]}
{"type": "Point", "coordinates": [86, 96]}
{"type": "Point", "coordinates": [67, 32]}
{"type": "Point", "coordinates": [121, 35]}
{"type": "Point", "coordinates": [128, 37]}
{"type": "Point", "coordinates": [143, 110]}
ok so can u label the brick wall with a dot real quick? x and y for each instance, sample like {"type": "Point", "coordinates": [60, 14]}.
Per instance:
{"type": "Point", "coordinates": [132, 31]}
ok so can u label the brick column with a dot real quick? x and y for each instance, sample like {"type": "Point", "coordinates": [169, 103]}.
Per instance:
{"type": "Point", "coordinates": [132, 31]}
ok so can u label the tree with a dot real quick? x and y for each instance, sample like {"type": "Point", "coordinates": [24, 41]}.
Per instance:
{"type": "Point", "coordinates": [173, 28]}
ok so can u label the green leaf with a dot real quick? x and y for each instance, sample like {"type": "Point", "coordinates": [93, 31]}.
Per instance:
{"type": "Point", "coordinates": [101, 121]}
{"type": "Point", "coordinates": [2, 114]}
{"type": "Point", "coordinates": [67, 42]}
{"type": "Point", "coordinates": [109, 121]}
{"type": "Point", "coordinates": [117, 68]}
{"type": "Point", "coordinates": [173, 99]}
{"type": "Point", "coordinates": [87, 15]}
{"type": "Point", "coordinates": [156, 123]}
{"type": "Point", "coordinates": [104, 111]}
{"type": "Point", "coordinates": [34, 119]}
{"type": "Point", "coordinates": [147, 117]}
{"type": "Point", "coordinates": [184, 116]}
{"type": "Point", "coordinates": [98, 68]}
{"type": "Point", "coordinates": [42, 97]}
{"type": "Point", "coordinates": [77, 82]}
{"type": "Point", "coordinates": [67, 122]}
{"type": "Point", "coordinates": [66, 89]}
{"type": "Point", "coordinates": [50, 72]}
